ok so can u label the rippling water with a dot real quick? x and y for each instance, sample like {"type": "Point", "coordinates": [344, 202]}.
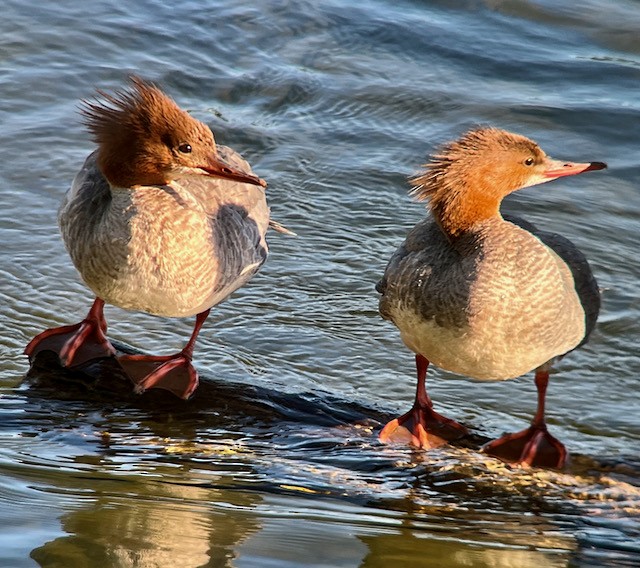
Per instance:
{"type": "Point", "coordinates": [335, 103]}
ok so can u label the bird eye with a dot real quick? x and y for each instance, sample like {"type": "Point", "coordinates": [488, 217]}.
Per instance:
{"type": "Point", "coordinates": [528, 162]}
{"type": "Point", "coordinates": [185, 148]}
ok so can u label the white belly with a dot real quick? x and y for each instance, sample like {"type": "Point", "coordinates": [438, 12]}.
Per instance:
{"type": "Point", "coordinates": [479, 354]}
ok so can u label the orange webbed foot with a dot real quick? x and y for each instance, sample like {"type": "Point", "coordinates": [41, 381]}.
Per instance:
{"type": "Point", "coordinates": [174, 373]}
{"type": "Point", "coordinates": [532, 447]}
{"type": "Point", "coordinates": [78, 343]}
{"type": "Point", "coordinates": [423, 428]}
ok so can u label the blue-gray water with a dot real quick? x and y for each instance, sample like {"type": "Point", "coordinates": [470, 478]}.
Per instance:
{"type": "Point", "coordinates": [335, 103]}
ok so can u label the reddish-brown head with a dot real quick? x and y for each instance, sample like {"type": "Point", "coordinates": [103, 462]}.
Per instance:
{"type": "Point", "coordinates": [466, 181]}
{"type": "Point", "coordinates": [144, 138]}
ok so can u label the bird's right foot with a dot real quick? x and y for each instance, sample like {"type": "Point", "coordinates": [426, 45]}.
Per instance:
{"type": "Point", "coordinates": [76, 344]}
{"type": "Point", "coordinates": [422, 427]}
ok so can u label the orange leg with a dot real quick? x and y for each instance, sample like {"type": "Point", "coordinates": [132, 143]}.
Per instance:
{"type": "Point", "coordinates": [533, 447]}
{"type": "Point", "coordinates": [174, 373]}
{"type": "Point", "coordinates": [422, 426]}
{"type": "Point", "coordinates": [76, 344]}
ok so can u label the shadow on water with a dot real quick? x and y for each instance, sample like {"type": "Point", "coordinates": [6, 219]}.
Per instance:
{"type": "Point", "coordinates": [227, 466]}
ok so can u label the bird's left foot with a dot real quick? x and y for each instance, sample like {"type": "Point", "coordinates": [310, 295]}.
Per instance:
{"type": "Point", "coordinates": [533, 447]}
{"type": "Point", "coordinates": [174, 373]}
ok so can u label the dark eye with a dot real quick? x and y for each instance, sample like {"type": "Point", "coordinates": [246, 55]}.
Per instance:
{"type": "Point", "coordinates": [185, 148]}
{"type": "Point", "coordinates": [528, 162]}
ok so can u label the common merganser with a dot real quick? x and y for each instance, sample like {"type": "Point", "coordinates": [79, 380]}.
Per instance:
{"type": "Point", "coordinates": [485, 296]}
{"type": "Point", "coordinates": [159, 219]}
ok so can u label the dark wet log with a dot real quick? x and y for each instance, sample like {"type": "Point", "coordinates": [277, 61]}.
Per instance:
{"type": "Point", "coordinates": [103, 380]}
{"type": "Point", "coordinates": [215, 400]}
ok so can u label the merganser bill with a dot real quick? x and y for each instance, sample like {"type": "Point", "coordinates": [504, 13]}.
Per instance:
{"type": "Point", "coordinates": [483, 295]}
{"type": "Point", "coordinates": [160, 219]}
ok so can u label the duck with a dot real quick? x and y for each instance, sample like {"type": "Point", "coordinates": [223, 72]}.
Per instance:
{"type": "Point", "coordinates": [159, 219]}
{"type": "Point", "coordinates": [487, 296]}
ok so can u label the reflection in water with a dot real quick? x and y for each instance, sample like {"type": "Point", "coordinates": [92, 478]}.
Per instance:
{"type": "Point", "coordinates": [408, 547]}
{"type": "Point", "coordinates": [484, 530]}
{"type": "Point", "coordinates": [153, 525]}
{"type": "Point", "coordinates": [147, 534]}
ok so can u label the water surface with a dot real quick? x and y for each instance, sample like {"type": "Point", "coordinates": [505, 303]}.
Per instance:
{"type": "Point", "coordinates": [335, 103]}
